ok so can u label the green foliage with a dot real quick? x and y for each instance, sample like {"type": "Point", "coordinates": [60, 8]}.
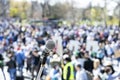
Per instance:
{"type": "Point", "coordinates": [14, 12]}
{"type": "Point", "coordinates": [96, 13]}
{"type": "Point", "coordinates": [59, 10]}
{"type": "Point", "coordinates": [19, 9]}
{"type": "Point", "coordinates": [66, 10]}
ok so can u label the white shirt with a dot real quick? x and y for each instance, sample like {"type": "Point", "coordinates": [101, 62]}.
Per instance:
{"type": "Point", "coordinates": [57, 75]}
{"type": "Point", "coordinates": [80, 61]}
{"type": "Point", "coordinates": [96, 71]}
{"type": "Point", "coordinates": [108, 49]}
{"type": "Point", "coordinates": [81, 75]}
{"type": "Point", "coordinates": [114, 76]}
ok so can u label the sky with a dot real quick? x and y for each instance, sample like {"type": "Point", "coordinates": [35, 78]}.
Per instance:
{"type": "Point", "coordinates": [84, 3]}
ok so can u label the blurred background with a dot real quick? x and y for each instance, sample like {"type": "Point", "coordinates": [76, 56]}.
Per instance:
{"type": "Point", "coordinates": [91, 11]}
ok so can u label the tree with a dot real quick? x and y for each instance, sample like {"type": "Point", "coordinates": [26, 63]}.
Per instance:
{"type": "Point", "coordinates": [97, 13]}
{"type": "Point", "coordinates": [19, 9]}
{"type": "Point", "coordinates": [59, 10]}
{"type": "Point", "coordinates": [46, 9]}
{"type": "Point", "coordinates": [117, 11]}
{"type": "Point", "coordinates": [36, 10]}
{"type": "Point", "coordinates": [4, 8]}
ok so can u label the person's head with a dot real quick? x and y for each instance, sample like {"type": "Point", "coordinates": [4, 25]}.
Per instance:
{"type": "Point", "coordinates": [109, 69]}
{"type": "Point", "coordinates": [78, 67]}
{"type": "Point", "coordinates": [100, 45]}
{"type": "Point", "coordinates": [86, 54]}
{"type": "Point", "coordinates": [35, 52]}
{"type": "Point", "coordinates": [66, 51]}
{"type": "Point", "coordinates": [96, 63]}
{"type": "Point", "coordinates": [10, 54]}
{"type": "Point", "coordinates": [96, 78]}
{"type": "Point", "coordinates": [56, 66]}
{"type": "Point", "coordinates": [66, 58]}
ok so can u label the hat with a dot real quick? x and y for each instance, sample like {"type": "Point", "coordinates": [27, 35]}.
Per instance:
{"type": "Point", "coordinates": [66, 51]}
{"type": "Point", "coordinates": [68, 59]}
{"type": "Point", "coordinates": [55, 58]}
{"type": "Point", "coordinates": [35, 49]}
{"type": "Point", "coordinates": [65, 56]}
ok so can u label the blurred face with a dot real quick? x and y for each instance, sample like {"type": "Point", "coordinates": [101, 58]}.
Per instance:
{"type": "Point", "coordinates": [96, 78]}
{"type": "Point", "coordinates": [10, 55]}
{"type": "Point", "coordinates": [96, 64]}
{"type": "Point", "coordinates": [77, 68]}
{"type": "Point", "coordinates": [106, 42]}
{"type": "Point", "coordinates": [35, 53]}
{"type": "Point", "coordinates": [65, 62]}
{"type": "Point", "coordinates": [100, 45]}
{"type": "Point", "coordinates": [86, 55]}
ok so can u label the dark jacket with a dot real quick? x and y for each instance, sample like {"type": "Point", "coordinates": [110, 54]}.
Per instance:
{"type": "Point", "coordinates": [88, 65]}
{"type": "Point", "coordinates": [11, 64]}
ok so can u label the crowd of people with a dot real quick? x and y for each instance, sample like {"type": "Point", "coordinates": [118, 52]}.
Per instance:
{"type": "Point", "coordinates": [23, 46]}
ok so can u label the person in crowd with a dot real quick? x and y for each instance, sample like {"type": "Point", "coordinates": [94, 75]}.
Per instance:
{"type": "Point", "coordinates": [29, 62]}
{"type": "Point", "coordinates": [2, 66]}
{"type": "Point", "coordinates": [68, 70]}
{"type": "Point", "coordinates": [100, 53]}
{"type": "Point", "coordinates": [97, 67]}
{"type": "Point", "coordinates": [79, 59]}
{"type": "Point", "coordinates": [96, 78]}
{"type": "Point", "coordinates": [36, 61]}
{"type": "Point", "coordinates": [55, 70]}
{"type": "Point", "coordinates": [88, 64]}
{"type": "Point", "coordinates": [24, 38]}
{"type": "Point", "coordinates": [64, 42]}
{"type": "Point", "coordinates": [20, 57]}
{"type": "Point", "coordinates": [81, 73]}
{"type": "Point", "coordinates": [109, 50]}
{"type": "Point", "coordinates": [112, 74]}
{"type": "Point", "coordinates": [56, 73]}
{"type": "Point", "coordinates": [11, 65]}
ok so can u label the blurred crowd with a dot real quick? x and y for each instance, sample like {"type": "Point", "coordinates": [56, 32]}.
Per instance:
{"type": "Point", "coordinates": [22, 45]}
